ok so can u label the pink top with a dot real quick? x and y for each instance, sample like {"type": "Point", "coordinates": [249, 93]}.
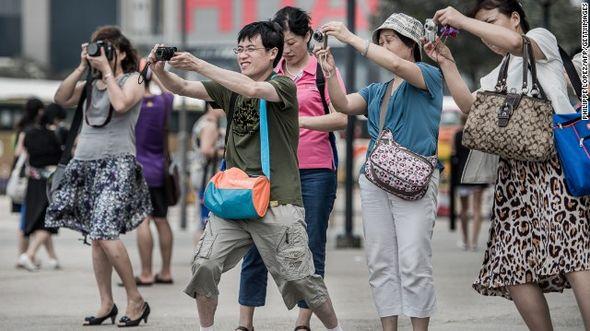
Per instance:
{"type": "Point", "coordinates": [314, 150]}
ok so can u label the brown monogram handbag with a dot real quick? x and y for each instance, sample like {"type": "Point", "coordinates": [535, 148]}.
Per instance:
{"type": "Point", "coordinates": [510, 124]}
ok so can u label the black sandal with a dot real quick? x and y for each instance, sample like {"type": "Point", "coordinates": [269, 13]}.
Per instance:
{"type": "Point", "coordinates": [159, 280]}
{"type": "Point", "coordinates": [125, 321]}
{"type": "Point", "coordinates": [92, 320]}
{"type": "Point", "coordinates": [302, 327]}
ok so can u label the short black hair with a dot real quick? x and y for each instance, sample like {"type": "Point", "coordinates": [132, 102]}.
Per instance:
{"type": "Point", "coordinates": [31, 111]}
{"type": "Point", "coordinates": [271, 34]}
{"type": "Point", "coordinates": [506, 7]}
{"type": "Point", "coordinates": [54, 111]}
{"type": "Point", "coordinates": [295, 20]}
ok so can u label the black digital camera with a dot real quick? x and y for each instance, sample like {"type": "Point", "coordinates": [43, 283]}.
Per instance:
{"type": "Point", "coordinates": [165, 53]}
{"type": "Point", "coordinates": [94, 49]}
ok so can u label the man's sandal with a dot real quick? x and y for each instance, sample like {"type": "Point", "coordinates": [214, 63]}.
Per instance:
{"type": "Point", "coordinates": [243, 328]}
{"type": "Point", "coordinates": [302, 327]}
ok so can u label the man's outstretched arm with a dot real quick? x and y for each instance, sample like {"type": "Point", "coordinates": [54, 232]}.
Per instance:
{"type": "Point", "coordinates": [234, 81]}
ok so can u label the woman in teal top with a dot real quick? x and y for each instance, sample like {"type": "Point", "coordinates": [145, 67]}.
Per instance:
{"type": "Point", "coordinates": [397, 232]}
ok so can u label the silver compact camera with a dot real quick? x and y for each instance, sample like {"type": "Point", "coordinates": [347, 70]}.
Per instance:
{"type": "Point", "coordinates": [320, 37]}
{"type": "Point", "coordinates": [430, 30]}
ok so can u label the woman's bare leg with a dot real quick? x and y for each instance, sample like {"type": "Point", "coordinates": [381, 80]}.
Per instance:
{"type": "Point", "coordinates": [580, 281]}
{"type": "Point", "coordinates": [103, 270]}
{"type": "Point", "coordinates": [117, 254]}
{"type": "Point", "coordinates": [532, 306]}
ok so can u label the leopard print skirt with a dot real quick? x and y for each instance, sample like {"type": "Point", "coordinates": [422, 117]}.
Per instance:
{"type": "Point", "coordinates": [538, 233]}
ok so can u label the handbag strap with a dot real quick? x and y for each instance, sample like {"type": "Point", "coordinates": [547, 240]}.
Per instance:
{"type": "Point", "coordinates": [20, 162]}
{"type": "Point", "coordinates": [320, 83]}
{"type": "Point", "coordinates": [526, 59]}
{"type": "Point", "coordinates": [264, 143]}
{"type": "Point", "coordinates": [384, 104]}
{"type": "Point", "coordinates": [571, 72]}
{"type": "Point", "coordinates": [76, 122]}
{"type": "Point", "coordinates": [501, 86]}
{"type": "Point", "coordinates": [530, 63]}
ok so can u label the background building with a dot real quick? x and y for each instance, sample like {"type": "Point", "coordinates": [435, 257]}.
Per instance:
{"type": "Point", "coordinates": [48, 33]}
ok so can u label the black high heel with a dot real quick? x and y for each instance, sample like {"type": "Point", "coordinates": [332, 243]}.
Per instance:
{"type": "Point", "coordinates": [125, 321]}
{"type": "Point", "coordinates": [91, 320]}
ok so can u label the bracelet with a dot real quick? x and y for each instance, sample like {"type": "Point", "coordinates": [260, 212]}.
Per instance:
{"type": "Point", "coordinates": [110, 74]}
{"type": "Point", "coordinates": [367, 44]}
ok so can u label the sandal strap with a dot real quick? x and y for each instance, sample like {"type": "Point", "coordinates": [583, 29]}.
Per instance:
{"type": "Point", "coordinates": [242, 328]}
{"type": "Point", "coordinates": [302, 327]}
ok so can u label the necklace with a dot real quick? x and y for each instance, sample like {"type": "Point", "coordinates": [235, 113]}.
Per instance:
{"type": "Point", "coordinates": [295, 77]}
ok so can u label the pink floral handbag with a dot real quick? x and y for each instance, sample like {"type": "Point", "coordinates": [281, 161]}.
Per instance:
{"type": "Point", "coordinates": [394, 168]}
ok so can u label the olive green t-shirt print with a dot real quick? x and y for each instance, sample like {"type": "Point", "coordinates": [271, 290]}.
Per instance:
{"type": "Point", "coordinates": [243, 144]}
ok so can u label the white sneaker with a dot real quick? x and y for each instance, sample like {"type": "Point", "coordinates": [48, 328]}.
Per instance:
{"type": "Point", "coordinates": [53, 264]}
{"type": "Point", "coordinates": [26, 263]}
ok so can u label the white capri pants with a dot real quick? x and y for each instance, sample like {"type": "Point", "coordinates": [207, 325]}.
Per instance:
{"type": "Point", "coordinates": [398, 236]}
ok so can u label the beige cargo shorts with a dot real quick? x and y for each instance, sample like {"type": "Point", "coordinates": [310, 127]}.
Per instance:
{"type": "Point", "coordinates": [281, 239]}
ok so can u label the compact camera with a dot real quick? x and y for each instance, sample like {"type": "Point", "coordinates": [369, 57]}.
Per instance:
{"type": "Point", "coordinates": [320, 37]}
{"type": "Point", "coordinates": [165, 53]}
{"type": "Point", "coordinates": [94, 49]}
{"type": "Point", "coordinates": [430, 30]}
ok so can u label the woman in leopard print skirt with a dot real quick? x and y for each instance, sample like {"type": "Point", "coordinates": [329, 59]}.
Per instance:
{"type": "Point", "coordinates": [540, 234]}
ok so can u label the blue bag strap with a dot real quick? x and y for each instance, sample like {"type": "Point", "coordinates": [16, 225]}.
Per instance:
{"type": "Point", "coordinates": [264, 144]}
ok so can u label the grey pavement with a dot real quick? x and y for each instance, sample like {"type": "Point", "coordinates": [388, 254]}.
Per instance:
{"type": "Point", "coordinates": [58, 300]}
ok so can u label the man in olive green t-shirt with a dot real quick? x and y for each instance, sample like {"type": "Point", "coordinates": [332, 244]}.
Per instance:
{"type": "Point", "coordinates": [243, 144]}
{"type": "Point", "coordinates": [280, 235]}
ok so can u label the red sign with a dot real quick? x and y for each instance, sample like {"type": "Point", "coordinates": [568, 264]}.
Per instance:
{"type": "Point", "coordinates": [322, 11]}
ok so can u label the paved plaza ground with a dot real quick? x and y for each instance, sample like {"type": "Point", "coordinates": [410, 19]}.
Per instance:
{"type": "Point", "coordinates": [58, 300]}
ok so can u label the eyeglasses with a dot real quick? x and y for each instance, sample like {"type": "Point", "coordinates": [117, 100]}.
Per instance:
{"type": "Point", "coordinates": [248, 50]}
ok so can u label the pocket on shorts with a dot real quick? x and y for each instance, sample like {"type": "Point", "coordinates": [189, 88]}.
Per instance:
{"type": "Point", "coordinates": [205, 245]}
{"type": "Point", "coordinates": [293, 254]}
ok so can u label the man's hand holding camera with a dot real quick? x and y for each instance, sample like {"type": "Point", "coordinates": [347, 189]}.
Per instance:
{"type": "Point", "coordinates": [156, 66]}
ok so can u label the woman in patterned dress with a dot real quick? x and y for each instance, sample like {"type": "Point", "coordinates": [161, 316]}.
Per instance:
{"type": "Point", "coordinates": [540, 234]}
{"type": "Point", "coordinates": [103, 193]}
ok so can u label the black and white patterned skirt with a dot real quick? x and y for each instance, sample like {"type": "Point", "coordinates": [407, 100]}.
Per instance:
{"type": "Point", "coordinates": [101, 198]}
